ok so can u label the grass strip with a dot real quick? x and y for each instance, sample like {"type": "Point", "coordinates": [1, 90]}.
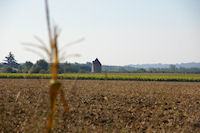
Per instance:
{"type": "Point", "coordinates": [131, 77]}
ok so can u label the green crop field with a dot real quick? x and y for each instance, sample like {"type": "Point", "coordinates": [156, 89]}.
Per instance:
{"type": "Point", "coordinates": [112, 76]}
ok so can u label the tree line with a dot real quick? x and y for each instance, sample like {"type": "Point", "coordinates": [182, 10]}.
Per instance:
{"type": "Point", "coordinates": [171, 69]}
{"type": "Point", "coordinates": [10, 65]}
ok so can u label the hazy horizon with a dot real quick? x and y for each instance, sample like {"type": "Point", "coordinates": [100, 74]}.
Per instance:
{"type": "Point", "coordinates": [116, 32]}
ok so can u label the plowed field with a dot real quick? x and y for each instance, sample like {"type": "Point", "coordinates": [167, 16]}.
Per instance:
{"type": "Point", "coordinates": [101, 106]}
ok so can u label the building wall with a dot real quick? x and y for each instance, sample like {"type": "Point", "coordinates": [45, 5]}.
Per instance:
{"type": "Point", "coordinates": [96, 67]}
{"type": "Point", "coordinates": [92, 68]}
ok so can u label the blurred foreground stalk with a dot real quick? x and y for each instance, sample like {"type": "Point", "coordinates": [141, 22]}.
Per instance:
{"type": "Point", "coordinates": [55, 86]}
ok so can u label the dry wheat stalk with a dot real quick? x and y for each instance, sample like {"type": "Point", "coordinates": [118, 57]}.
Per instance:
{"type": "Point", "coordinates": [55, 86]}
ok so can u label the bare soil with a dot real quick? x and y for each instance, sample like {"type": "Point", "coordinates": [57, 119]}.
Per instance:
{"type": "Point", "coordinates": [101, 106]}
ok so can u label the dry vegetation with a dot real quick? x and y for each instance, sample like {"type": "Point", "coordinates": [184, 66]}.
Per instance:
{"type": "Point", "coordinates": [101, 106]}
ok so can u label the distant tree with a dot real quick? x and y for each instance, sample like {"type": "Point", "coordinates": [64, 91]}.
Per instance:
{"type": "Point", "coordinates": [20, 68]}
{"type": "Point", "coordinates": [8, 69]}
{"type": "Point", "coordinates": [43, 71]}
{"type": "Point", "coordinates": [70, 68]}
{"type": "Point", "coordinates": [122, 69]}
{"type": "Point", "coordinates": [141, 70]}
{"type": "Point", "coordinates": [89, 64]}
{"type": "Point", "coordinates": [10, 60]}
{"type": "Point", "coordinates": [194, 70]}
{"type": "Point", "coordinates": [75, 68]}
{"type": "Point", "coordinates": [27, 66]}
{"type": "Point", "coordinates": [61, 68]}
{"type": "Point", "coordinates": [172, 68]}
{"type": "Point", "coordinates": [152, 70]}
{"type": "Point", "coordinates": [41, 66]}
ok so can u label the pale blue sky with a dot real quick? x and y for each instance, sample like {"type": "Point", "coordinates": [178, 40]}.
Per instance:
{"type": "Point", "coordinates": [118, 32]}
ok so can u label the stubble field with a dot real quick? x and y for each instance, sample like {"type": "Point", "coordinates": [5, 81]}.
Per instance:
{"type": "Point", "coordinates": [101, 106]}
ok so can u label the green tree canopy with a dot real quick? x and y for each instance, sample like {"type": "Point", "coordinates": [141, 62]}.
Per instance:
{"type": "Point", "coordinates": [8, 69]}
{"type": "Point", "coordinates": [10, 60]}
{"type": "Point", "coordinates": [27, 66]}
{"type": "Point", "coordinates": [41, 66]}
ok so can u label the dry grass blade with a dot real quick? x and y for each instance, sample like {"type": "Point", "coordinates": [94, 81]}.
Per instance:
{"type": "Point", "coordinates": [63, 58]}
{"type": "Point", "coordinates": [17, 96]}
{"type": "Point", "coordinates": [35, 52]}
{"type": "Point", "coordinates": [40, 40]}
{"type": "Point", "coordinates": [39, 47]}
{"type": "Point", "coordinates": [72, 43]}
